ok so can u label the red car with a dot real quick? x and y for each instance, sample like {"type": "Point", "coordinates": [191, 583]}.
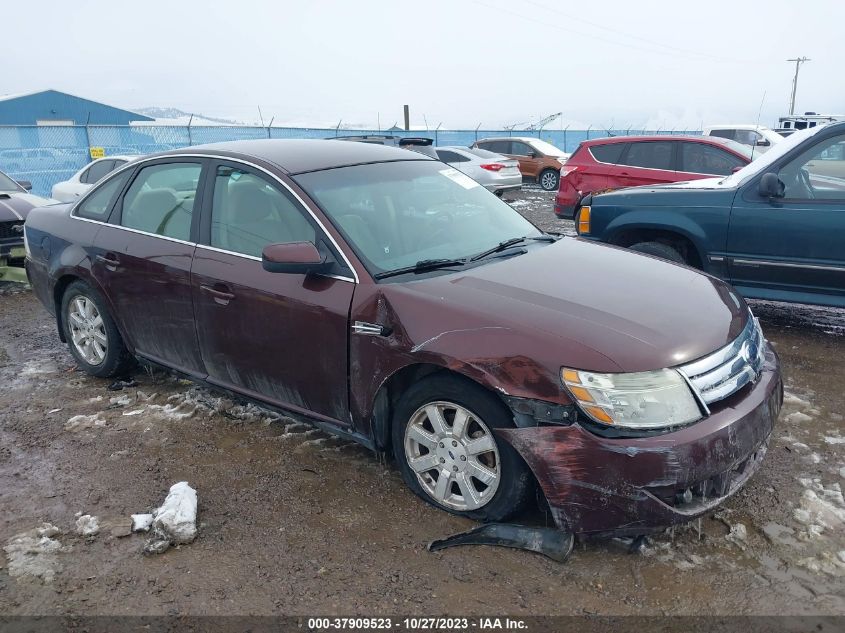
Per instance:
{"type": "Point", "coordinates": [629, 161]}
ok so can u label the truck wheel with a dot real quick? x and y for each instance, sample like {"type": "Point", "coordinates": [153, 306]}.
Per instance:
{"type": "Point", "coordinates": [549, 179]}
{"type": "Point", "coordinates": [448, 453]}
{"type": "Point", "coordinates": [658, 249]}
{"type": "Point", "coordinates": [91, 334]}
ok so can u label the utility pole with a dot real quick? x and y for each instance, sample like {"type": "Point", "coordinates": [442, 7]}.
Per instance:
{"type": "Point", "coordinates": [407, 118]}
{"type": "Point", "coordinates": [798, 61]}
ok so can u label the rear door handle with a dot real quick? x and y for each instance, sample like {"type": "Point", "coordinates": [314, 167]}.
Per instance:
{"type": "Point", "coordinates": [220, 296]}
{"type": "Point", "coordinates": [109, 260]}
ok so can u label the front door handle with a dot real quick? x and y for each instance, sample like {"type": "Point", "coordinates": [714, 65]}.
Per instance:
{"type": "Point", "coordinates": [223, 297]}
{"type": "Point", "coordinates": [109, 260]}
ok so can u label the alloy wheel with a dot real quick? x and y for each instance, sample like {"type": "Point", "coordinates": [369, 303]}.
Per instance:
{"type": "Point", "coordinates": [548, 181]}
{"type": "Point", "coordinates": [454, 456]}
{"type": "Point", "coordinates": [87, 330]}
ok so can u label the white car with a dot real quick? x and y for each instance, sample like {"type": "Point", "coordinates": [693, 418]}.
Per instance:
{"type": "Point", "coordinates": [492, 171]}
{"type": "Point", "coordinates": [71, 189]}
{"type": "Point", "coordinates": [759, 137]}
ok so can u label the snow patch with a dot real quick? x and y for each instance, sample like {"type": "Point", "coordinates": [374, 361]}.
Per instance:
{"type": "Point", "coordinates": [87, 525]}
{"type": "Point", "coordinates": [798, 417]}
{"type": "Point", "coordinates": [34, 553]}
{"type": "Point", "coordinates": [82, 422]}
{"type": "Point", "coordinates": [175, 522]}
{"type": "Point", "coordinates": [822, 508]}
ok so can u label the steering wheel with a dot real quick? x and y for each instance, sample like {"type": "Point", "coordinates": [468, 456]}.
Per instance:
{"type": "Point", "coordinates": [804, 178]}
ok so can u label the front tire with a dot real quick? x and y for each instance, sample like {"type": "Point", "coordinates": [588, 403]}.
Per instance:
{"type": "Point", "coordinates": [444, 444]}
{"type": "Point", "coordinates": [549, 180]}
{"type": "Point", "coordinates": [658, 249]}
{"type": "Point", "coordinates": [91, 334]}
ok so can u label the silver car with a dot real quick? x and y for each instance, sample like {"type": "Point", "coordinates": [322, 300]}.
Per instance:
{"type": "Point", "coordinates": [494, 172]}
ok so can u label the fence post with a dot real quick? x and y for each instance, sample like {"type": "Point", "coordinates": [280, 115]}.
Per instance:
{"type": "Point", "coordinates": [190, 137]}
{"type": "Point", "coordinates": [588, 131]}
{"type": "Point", "coordinates": [269, 125]}
{"type": "Point", "coordinates": [88, 137]}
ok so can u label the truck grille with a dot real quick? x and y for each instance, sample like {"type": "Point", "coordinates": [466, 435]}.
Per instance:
{"type": "Point", "coordinates": [10, 230]}
{"type": "Point", "coordinates": [726, 371]}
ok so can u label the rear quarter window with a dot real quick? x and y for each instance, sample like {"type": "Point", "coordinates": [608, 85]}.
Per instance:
{"type": "Point", "coordinates": [609, 153]}
{"type": "Point", "coordinates": [98, 204]}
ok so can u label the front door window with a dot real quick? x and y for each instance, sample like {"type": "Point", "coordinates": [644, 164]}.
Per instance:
{"type": "Point", "coordinates": [818, 173]}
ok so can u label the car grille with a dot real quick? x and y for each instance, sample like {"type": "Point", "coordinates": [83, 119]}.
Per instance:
{"type": "Point", "coordinates": [9, 230]}
{"type": "Point", "coordinates": [726, 371]}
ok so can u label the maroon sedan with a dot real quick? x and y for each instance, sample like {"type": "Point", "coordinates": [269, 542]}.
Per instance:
{"type": "Point", "coordinates": [390, 299]}
{"type": "Point", "coordinates": [603, 164]}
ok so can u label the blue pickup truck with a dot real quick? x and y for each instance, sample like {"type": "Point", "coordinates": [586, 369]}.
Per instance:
{"type": "Point", "coordinates": [774, 229]}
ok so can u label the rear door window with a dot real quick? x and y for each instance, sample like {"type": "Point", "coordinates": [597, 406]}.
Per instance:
{"type": "Point", "coordinates": [97, 171]}
{"type": "Point", "coordinates": [724, 134]}
{"type": "Point", "coordinates": [499, 147]}
{"type": "Point", "coordinates": [700, 158]}
{"type": "Point", "coordinates": [650, 155]}
{"type": "Point", "coordinates": [609, 153]}
{"type": "Point", "coordinates": [161, 200]}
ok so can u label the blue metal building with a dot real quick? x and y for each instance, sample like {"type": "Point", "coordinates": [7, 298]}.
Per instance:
{"type": "Point", "coordinates": [51, 107]}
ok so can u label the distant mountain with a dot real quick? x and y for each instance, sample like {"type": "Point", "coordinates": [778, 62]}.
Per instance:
{"type": "Point", "coordinates": [181, 115]}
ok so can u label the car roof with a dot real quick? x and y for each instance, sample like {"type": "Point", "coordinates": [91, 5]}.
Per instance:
{"type": "Point", "coordinates": [736, 126]}
{"type": "Point", "coordinates": [296, 156]}
{"type": "Point", "coordinates": [524, 139]}
{"type": "Point", "coordinates": [656, 137]}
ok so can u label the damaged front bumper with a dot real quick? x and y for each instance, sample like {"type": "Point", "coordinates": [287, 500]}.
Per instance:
{"type": "Point", "coordinates": [629, 486]}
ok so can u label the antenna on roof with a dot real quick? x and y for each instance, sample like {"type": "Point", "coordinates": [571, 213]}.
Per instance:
{"type": "Point", "coordinates": [757, 123]}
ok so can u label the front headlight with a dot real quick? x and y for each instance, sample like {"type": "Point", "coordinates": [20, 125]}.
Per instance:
{"type": "Point", "coordinates": [644, 400]}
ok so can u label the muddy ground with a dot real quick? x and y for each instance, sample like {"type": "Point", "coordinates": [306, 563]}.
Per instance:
{"type": "Point", "coordinates": [293, 521]}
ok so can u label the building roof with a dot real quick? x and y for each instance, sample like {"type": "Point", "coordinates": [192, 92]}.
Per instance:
{"type": "Point", "coordinates": [70, 102]}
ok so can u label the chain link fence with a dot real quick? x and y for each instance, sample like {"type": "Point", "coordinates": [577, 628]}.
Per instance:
{"type": "Point", "coordinates": [45, 155]}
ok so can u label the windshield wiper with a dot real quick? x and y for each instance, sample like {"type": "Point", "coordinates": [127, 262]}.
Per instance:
{"type": "Point", "coordinates": [501, 246]}
{"type": "Point", "coordinates": [422, 266]}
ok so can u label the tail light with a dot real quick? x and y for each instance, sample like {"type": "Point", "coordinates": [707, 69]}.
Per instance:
{"type": "Point", "coordinates": [493, 166]}
{"type": "Point", "coordinates": [565, 171]}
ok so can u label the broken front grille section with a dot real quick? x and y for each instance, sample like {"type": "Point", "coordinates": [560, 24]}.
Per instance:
{"type": "Point", "coordinates": [11, 230]}
{"type": "Point", "coordinates": [708, 491]}
{"type": "Point", "coordinates": [726, 371]}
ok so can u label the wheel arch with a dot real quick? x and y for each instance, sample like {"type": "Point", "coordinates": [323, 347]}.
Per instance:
{"type": "Point", "coordinates": [686, 242]}
{"type": "Point", "coordinates": [394, 387]}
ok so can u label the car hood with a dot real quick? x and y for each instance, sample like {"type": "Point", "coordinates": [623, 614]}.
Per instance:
{"type": "Point", "coordinates": [16, 206]}
{"type": "Point", "coordinates": [707, 191]}
{"type": "Point", "coordinates": [579, 304]}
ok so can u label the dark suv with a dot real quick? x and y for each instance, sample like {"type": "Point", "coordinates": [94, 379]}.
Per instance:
{"type": "Point", "coordinates": [773, 229]}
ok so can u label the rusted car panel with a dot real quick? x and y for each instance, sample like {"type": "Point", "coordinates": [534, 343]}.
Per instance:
{"type": "Point", "coordinates": [581, 473]}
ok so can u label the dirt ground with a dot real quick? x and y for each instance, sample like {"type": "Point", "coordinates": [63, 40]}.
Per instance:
{"type": "Point", "coordinates": [293, 521]}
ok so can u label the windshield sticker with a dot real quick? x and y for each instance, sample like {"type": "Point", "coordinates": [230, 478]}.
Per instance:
{"type": "Point", "coordinates": [462, 179]}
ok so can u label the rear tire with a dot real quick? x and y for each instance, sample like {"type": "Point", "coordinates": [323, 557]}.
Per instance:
{"type": "Point", "coordinates": [549, 179]}
{"type": "Point", "coordinates": [659, 249]}
{"type": "Point", "coordinates": [447, 460]}
{"type": "Point", "coordinates": [91, 334]}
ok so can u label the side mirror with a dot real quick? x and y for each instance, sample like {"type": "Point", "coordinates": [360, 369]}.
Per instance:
{"type": "Point", "coordinates": [26, 184]}
{"type": "Point", "coordinates": [763, 142]}
{"type": "Point", "coordinates": [771, 186]}
{"type": "Point", "coordinates": [297, 258]}
{"type": "Point", "coordinates": [532, 154]}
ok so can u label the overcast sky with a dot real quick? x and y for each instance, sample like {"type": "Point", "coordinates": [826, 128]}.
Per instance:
{"type": "Point", "coordinates": [456, 62]}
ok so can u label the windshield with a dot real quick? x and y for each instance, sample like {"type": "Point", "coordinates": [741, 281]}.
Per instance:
{"type": "Point", "coordinates": [397, 214]}
{"type": "Point", "coordinates": [7, 184]}
{"type": "Point", "coordinates": [546, 148]}
{"type": "Point", "coordinates": [761, 164]}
